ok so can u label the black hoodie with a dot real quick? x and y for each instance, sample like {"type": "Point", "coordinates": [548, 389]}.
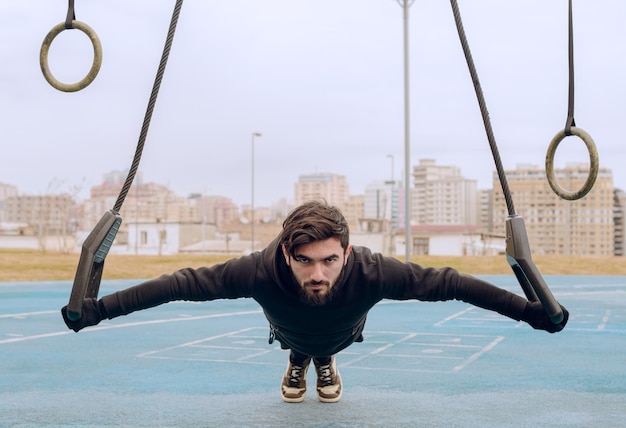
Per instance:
{"type": "Point", "coordinates": [320, 330]}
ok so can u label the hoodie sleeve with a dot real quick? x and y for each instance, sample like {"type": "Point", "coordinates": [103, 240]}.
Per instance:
{"type": "Point", "coordinates": [403, 281]}
{"type": "Point", "coordinates": [230, 280]}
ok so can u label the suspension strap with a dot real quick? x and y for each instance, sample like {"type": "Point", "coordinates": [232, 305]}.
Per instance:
{"type": "Point", "coordinates": [518, 252]}
{"type": "Point", "coordinates": [71, 15]}
{"type": "Point", "coordinates": [483, 108]}
{"type": "Point", "coordinates": [571, 129]}
{"type": "Point", "coordinates": [98, 243]}
{"type": "Point", "coordinates": [151, 103]}
{"type": "Point", "coordinates": [570, 53]}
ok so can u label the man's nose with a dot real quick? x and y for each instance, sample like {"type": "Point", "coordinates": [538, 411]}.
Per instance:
{"type": "Point", "coordinates": [317, 272]}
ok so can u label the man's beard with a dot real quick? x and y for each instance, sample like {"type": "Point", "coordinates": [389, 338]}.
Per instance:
{"type": "Point", "coordinates": [317, 297]}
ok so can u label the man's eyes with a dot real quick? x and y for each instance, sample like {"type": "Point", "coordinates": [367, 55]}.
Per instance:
{"type": "Point", "coordinates": [307, 260]}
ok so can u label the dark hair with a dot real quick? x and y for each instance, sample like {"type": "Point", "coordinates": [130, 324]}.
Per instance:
{"type": "Point", "coordinates": [314, 221]}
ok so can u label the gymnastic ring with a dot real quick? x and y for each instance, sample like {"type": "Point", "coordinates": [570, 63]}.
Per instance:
{"type": "Point", "coordinates": [95, 67]}
{"type": "Point", "coordinates": [593, 168]}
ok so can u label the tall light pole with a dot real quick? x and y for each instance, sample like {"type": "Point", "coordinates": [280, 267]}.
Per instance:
{"type": "Point", "coordinates": [407, 135]}
{"type": "Point", "coordinates": [254, 134]}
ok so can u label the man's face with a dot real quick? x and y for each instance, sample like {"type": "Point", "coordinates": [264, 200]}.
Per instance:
{"type": "Point", "coordinates": [317, 267]}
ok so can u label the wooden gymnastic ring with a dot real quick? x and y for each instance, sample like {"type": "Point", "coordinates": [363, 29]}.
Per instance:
{"type": "Point", "coordinates": [95, 67]}
{"type": "Point", "coordinates": [593, 168]}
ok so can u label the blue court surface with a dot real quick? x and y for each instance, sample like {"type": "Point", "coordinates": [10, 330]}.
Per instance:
{"type": "Point", "coordinates": [445, 364]}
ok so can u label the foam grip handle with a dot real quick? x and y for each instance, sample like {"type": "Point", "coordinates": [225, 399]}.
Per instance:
{"type": "Point", "coordinates": [91, 263]}
{"type": "Point", "coordinates": [519, 257]}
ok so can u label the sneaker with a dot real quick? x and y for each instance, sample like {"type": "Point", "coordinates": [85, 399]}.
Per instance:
{"type": "Point", "coordinates": [293, 388]}
{"type": "Point", "coordinates": [329, 388]}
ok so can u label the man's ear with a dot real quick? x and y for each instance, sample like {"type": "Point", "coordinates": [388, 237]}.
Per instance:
{"type": "Point", "coordinates": [286, 255]}
{"type": "Point", "coordinates": [348, 251]}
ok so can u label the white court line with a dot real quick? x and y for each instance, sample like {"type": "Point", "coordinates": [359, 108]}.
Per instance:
{"type": "Point", "coordinates": [131, 324]}
{"type": "Point", "coordinates": [28, 314]}
{"type": "Point", "coordinates": [451, 317]}
{"type": "Point", "coordinates": [605, 319]}
{"type": "Point", "coordinates": [368, 334]}
{"type": "Point", "coordinates": [443, 345]}
{"type": "Point", "coordinates": [37, 336]}
{"type": "Point", "coordinates": [381, 349]}
{"type": "Point", "coordinates": [591, 293]}
{"type": "Point", "coordinates": [481, 350]}
{"type": "Point", "coordinates": [196, 342]}
{"type": "Point", "coordinates": [474, 357]}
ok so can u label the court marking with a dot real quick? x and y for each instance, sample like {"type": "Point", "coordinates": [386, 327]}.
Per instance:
{"type": "Point", "coordinates": [23, 315]}
{"type": "Point", "coordinates": [381, 350]}
{"type": "Point", "coordinates": [106, 326]}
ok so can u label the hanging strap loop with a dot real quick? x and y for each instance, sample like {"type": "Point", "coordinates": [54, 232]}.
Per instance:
{"type": "Point", "coordinates": [95, 66]}
{"type": "Point", "coordinates": [70, 24]}
{"type": "Point", "coordinates": [593, 164]}
{"type": "Point", "coordinates": [571, 129]}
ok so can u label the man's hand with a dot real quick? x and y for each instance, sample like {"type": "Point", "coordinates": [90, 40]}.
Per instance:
{"type": "Point", "coordinates": [536, 316]}
{"type": "Point", "coordinates": [92, 315]}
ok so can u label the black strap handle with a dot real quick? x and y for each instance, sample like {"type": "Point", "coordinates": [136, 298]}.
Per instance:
{"type": "Point", "coordinates": [71, 15]}
{"type": "Point", "coordinates": [570, 103]}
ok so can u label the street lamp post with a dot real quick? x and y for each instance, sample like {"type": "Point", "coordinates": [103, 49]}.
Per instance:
{"type": "Point", "coordinates": [254, 134]}
{"type": "Point", "coordinates": [407, 146]}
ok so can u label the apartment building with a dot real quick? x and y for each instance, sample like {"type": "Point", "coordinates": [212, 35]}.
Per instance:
{"type": "Point", "coordinates": [144, 202]}
{"type": "Point", "coordinates": [620, 222]}
{"type": "Point", "coordinates": [6, 191]}
{"type": "Point", "coordinates": [333, 188]}
{"type": "Point", "coordinates": [383, 200]}
{"type": "Point", "coordinates": [554, 225]}
{"type": "Point", "coordinates": [44, 214]}
{"type": "Point", "coordinates": [353, 211]}
{"type": "Point", "coordinates": [442, 196]}
{"type": "Point", "coordinates": [216, 210]}
{"type": "Point", "coordinates": [485, 209]}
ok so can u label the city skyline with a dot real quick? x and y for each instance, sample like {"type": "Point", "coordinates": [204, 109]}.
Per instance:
{"type": "Point", "coordinates": [444, 202]}
{"type": "Point", "coordinates": [120, 176]}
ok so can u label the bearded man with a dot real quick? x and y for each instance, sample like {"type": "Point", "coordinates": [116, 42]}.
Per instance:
{"type": "Point", "coordinates": [315, 290]}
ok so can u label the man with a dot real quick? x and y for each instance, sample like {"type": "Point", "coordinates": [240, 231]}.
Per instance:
{"type": "Point", "coordinates": [315, 290]}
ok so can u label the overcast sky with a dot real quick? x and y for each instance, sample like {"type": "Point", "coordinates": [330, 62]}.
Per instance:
{"type": "Point", "coordinates": [321, 80]}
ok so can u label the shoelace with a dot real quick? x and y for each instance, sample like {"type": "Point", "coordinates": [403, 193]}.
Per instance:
{"type": "Point", "coordinates": [295, 375]}
{"type": "Point", "coordinates": [325, 375]}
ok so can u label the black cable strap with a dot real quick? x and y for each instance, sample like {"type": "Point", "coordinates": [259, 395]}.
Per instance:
{"type": "Point", "coordinates": [150, 109]}
{"type": "Point", "coordinates": [71, 15]}
{"type": "Point", "coordinates": [570, 104]}
{"type": "Point", "coordinates": [483, 108]}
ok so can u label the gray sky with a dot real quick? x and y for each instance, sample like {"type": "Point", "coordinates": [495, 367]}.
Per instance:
{"type": "Point", "coordinates": [322, 80]}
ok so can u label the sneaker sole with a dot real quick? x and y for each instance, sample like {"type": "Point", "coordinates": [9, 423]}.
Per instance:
{"type": "Point", "coordinates": [293, 400]}
{"type": "Point", "coordinates": [329, 400]}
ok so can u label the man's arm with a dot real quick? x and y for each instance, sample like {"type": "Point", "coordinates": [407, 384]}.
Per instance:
{"type": "Point", "coordinates": [224, 281]}
{"type": "Point", "coordinates": [412, 281]}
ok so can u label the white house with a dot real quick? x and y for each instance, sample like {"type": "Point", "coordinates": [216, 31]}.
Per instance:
{"type": "Point", "coordinates": [164, 238]}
